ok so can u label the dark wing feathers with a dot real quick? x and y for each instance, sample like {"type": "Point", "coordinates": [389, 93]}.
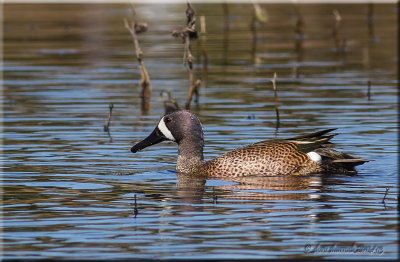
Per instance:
{"type": "Point", "coordinates": [314, 135]}
{"type": "Point", "coordinates": [309, 142]}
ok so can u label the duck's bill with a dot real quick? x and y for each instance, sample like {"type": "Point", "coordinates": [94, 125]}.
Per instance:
{"type": "Point", "coordinates": [154, 138]}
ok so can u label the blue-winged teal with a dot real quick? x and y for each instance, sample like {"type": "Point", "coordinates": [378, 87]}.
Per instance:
{"type": "Point", "coordinates": [300, 155]}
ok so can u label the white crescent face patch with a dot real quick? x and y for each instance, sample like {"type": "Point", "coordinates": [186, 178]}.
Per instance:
{"type": "Point", "coordinates": [164, 129]}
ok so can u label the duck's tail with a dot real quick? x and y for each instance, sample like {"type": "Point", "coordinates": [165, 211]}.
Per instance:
{"type": "Point", "coordinates": [332, 161]}
{"type": "Point", "coordinates": [338, 162]}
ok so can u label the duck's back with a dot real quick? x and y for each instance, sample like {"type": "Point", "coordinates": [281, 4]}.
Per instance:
{"type": "Point", "coordinates": [265, 158]}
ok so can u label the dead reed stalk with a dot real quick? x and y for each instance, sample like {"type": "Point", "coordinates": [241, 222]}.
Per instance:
{"type": "Point", "coordinates": [203, 42]}
{"type": "Point", "coordinates": [370, 21]}
{"type": "Point", "coordinates": [107, 125]}
{"type": "Point", "coordinates": [384, 197]}
{"type": "Point", "coordinates": [226, 28]}
{"type": "Point", "coordinates": [187, 33]}
{"type": "Point", "coordinates": [335, 30]}
{"type": "Point", "coordinates": [170, 104]}
{"type": "Point", "coordinates": [369, 90]}
{"type": "Point", "coordinates": [276, 101]}
{"type": "Point", "coordinates": [298, 41]}
{"type": "Point", "coordinates": [135, 29]}
{"type": "Point", "coordinates": [259, 17]}
{"type": "Point", "coordinates": [135, 209]}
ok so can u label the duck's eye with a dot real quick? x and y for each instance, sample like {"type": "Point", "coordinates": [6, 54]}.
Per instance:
{"type": "Point", "coordinates": [167, 119]}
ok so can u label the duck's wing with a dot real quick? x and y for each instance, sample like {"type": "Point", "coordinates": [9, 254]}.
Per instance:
{"type": "Point", "coordinates": [318, 134]}
{"type": "Point", "coordinates": [312, 141]}
{"type": "Point", "coordinates": [307, 142]}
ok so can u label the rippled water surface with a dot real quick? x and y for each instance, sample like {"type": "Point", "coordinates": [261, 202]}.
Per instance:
{"type": "Point", "coordinates": [73, 191]}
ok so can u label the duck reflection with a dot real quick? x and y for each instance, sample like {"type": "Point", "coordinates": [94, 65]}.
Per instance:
{"type": "Point", "coordinates": [193, 188]}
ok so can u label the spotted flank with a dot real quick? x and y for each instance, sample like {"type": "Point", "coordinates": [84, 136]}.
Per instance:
{"type": "Point", "coordinates": [301, 155]}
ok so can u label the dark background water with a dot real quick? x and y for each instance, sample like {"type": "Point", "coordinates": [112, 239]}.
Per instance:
{"type": "Point", "coordinates": [69, 188]}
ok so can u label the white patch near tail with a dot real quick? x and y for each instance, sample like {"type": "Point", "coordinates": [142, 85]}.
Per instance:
{"type": "Point", "coordinates": [164, 129]}
{"type": "Point", "coordinates": [314, 156]}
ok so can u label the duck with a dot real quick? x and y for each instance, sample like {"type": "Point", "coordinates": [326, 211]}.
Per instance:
{"type": "Point", "coordinates": [302, 155]}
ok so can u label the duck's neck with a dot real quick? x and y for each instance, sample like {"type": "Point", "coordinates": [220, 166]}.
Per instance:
{"type": "Point", "coordinates": [190, 155]}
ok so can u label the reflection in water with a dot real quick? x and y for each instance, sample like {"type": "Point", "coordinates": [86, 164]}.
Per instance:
{"type": "Point", "coordinates": [190, 192]}
{"type": "Point", "coordinates": [192, 187]}
{"type": "Point", "coordinates": [298, 41]}
{"type": "Point", "coordinates": [225, 31]}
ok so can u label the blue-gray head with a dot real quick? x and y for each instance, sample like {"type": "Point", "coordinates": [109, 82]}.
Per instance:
{"type": "Point", "coordinates": [180, 126]}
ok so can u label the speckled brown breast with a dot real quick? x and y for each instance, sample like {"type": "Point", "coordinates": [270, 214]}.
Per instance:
{"type": "Point", "coordinates": [264, 158]}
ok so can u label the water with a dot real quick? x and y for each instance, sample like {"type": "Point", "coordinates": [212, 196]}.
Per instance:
{"type": "Point", "coordinates": [69, 188]}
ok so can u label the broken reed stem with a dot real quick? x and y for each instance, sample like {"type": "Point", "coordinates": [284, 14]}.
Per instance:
{"type": "Point", "coordinates": [170, 98]}
{"type": "Point", "coordinates": [107, 126]}
{"type": "Point", "coordinates": [194, 89]}
{"type": "Point", "coordinates": [145, 79]}
{"type": "Point", "coordinates": [335, 30]}
{"type": "Point", "coordinates": [259, 17]}
{"type": "Point", "coordinates": [215, 197]}
{"type": "Point", "coordinates": [254, 41]}
{"type": "Point", "coordinates": [187, 33]}
{"type": "Point", "coordinates": [226, 27]}
{"type": "Point", "coordinates": [384, 197]}
{"type": "Point", "coordinates": [203, 24]}
{"type": "Point", "coordinates": [135, 209]}
{"type": "Point", "coordinates": [203, 41]}
{"type": "Point", "coordinates": [370, 18]}
{"type": "Point", "coordinates": [187, 56]}
{"type": "Point", "coordinates": [190, 28]}
{"type": "Point", "coordinates": [369, 90]}
{"type": "Point", "coordinates": [253, 27]}
{"type": "Point", "coordinates": [169, 108]}
{"type": "Point", "coordinates": [299, 29]}
{"type": "Point", "coordinates": [298, 41]}
{"type": "Point", "coordinates": [276, 101]}
{"type": "Point", "coordinates": [203, 45]}
{"type": "Point", "coordinates": [189, 62]}
{"type": "Point", "coordinates": [225, 10]}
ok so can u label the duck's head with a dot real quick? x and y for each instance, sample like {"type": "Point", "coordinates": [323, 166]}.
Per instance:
{"type": "Point", "coordinates": [178, 126]}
